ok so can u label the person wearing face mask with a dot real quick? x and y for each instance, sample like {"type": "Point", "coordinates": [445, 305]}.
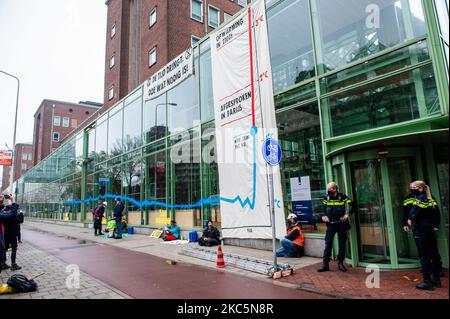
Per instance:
{"type": "Point", "coordinates": [424, 218]}
{"type": "Point", "coordinates": [336, 219]}
{"type": "Point", "coordinates": [408, 201]}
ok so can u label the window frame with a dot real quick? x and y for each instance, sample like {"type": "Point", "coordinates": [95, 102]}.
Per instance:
{"type": "Point", "coordinates": [56, 123]}
{"type": "Point", "coordinates": [218, 16]}
{"type": "Point", "coordinates": [153, 50]}
{"type": "Point", "coordinates": [112, 61]}
{"type": "Point", "coordinates": [153, 11]}
{"type": "Point", "coordinates": [201, 11]}
{"type": "Point", "coordinates": [113, 30]}
{"type": "Point", "coordinates": [53, 137]}
{"type": "Point", "coordinates": [230, 16]}
{"type": "Point", "coordinates": [68, 122]}
{"type": "Point", "coordinates": [196, 38]}
{"type": "Point", "coordinates": [111, 96]}
{"type": "Point", "coordinates": [239, 3]}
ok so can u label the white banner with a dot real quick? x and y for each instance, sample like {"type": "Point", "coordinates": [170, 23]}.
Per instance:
{"type": "Point", "coordinates": [244, 117]}
{"type": "Point", "coordinates": [175, 72]}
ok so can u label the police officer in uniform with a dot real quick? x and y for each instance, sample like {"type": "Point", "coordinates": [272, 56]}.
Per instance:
{"type": "Point", "coordinates": [424, 218]}
{"type": "Point", "coordinates": [336, 219]}
{"type": "Point", "coordinates": [408, 201]}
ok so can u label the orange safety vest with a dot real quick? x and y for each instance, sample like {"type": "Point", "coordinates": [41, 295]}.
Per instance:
{"type": "Point", "coordinates": [299, 241]}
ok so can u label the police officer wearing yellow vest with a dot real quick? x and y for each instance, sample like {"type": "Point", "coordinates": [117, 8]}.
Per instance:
{"type": "Point", "coordinates": [292, 243]}
{"type": "Point", "coordinates": [336, 219]}
{"type": "Point", "coordinates": [424, 218]}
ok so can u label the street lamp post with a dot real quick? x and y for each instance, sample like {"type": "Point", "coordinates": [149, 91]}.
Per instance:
{"type": "Point", "coordinates": [11, 176]}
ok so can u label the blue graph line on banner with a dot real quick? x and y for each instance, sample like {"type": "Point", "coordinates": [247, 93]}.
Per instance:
{"type": "Point", "coordinates": [204, 201]}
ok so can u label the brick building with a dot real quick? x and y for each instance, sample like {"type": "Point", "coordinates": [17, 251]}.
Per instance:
{"type": "Point", "coordinates": [23, 161]}
{"type": "Point", "coordinates": [54, 120]}
{"type": "Point", "coordinates": [144, 35]}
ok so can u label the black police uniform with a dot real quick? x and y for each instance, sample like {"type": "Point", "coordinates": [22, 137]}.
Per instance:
{"type": "Point", "coordinates": [425, 216]}
{"type": "Point", "coordinates": [334, 208]}
{"type": "Point", "coordinates": [408, 201]}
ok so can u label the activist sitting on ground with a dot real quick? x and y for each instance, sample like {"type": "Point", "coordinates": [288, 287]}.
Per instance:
{"type": "Point", "coordinates": [171, 232]}
{"type": "Point", "coordinates": [211, 236]}
{"type": "Point", "coordinates": [292, 243]}
{"type": "Point", "coordinates": [111, 227]}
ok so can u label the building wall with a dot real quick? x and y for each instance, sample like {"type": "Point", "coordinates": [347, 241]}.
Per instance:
{"type": "Point", "coordinates": [20, 150]}
{"type": "Point", "coordinates": [43, 124]}
{"type": "Point", "coordinates": [134, 39]}
{"type": "Point", "coordinates": [5, 177]}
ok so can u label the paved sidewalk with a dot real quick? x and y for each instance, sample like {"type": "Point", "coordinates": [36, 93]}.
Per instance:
{"type": "Point", "coordinates": [52, 285]}
{"type": "Point", "coordinates": [394, 284]}
{"type": "Point", "coordinates": [398, 284]}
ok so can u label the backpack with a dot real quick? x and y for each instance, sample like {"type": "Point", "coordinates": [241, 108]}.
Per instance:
{"type": "Point", "coordinates": [21, 283]}
{"type": "Point", "coordinates": [20, 218]}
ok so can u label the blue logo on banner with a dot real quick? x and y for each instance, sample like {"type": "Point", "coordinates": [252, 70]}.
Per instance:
{"type": "Point", "coordinates": [272, 152]}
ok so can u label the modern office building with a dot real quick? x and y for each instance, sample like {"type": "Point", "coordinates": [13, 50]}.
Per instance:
{"type": "Point", "coordinates": [361, 95]}
{"type": "Point", "coordinates": [143, 36]}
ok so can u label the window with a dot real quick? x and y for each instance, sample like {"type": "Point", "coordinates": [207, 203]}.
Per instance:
{"type": "Point", "coordinates": [113, 30]}
{"type": "Point", "coordinates": [112, 61]}
{"type": "Point", "coordinates": [55, 137]}
{"type": "Point", "coordinates": [56, 120]}
{"type": "Point", "coordinates": [213, 17]}
{"type": "Point", "coordinates": [152, 57]}
{"type": "Point", "coordinates": [74, 123]}
{"type": "Point", "coordinates": [111, 93]}
{"type": "Point", "coordinates": [24, 156]}
{"type": "Point", "coordinates": [197, 10]}
{"type": "Point", "coordinates": [30, 156]}
{"type": "Point", "coordinates": [152, 18]}
{"type": "Point", "coordinates": [66, 122]}
{"type": "Point", "coordinates": [194, 40]}
{"type": "Point", "coordinates": [226, 16]}
{"type": "Point", "coordinates": [242, 2]}
{"type": "Point", "coordinates": [24, 166]}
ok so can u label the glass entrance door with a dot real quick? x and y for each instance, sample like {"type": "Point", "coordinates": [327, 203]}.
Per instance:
{"type": "Point", "coordinates": [370, 211]}
{"type": "Point", "coordinates": [378, 185]}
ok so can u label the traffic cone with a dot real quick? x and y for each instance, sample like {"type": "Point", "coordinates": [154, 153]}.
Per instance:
{"type": "Point", "coordinates": [220, 261]}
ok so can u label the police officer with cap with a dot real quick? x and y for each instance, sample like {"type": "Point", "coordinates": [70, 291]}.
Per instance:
{"type": "Point", "coordinates": [336, 218]}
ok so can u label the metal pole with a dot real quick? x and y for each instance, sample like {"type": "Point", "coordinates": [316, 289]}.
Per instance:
{"type": "Point", "coordinates": [272, 217]}
{"type": "Point", "coordinates": [11, 177]}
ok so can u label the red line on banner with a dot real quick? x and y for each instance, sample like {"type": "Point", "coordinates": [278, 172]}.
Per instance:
{"type": "Point", "coordinates": [251, 64]}
{"type": "Point", "coordinates": [234, 93]}
{"type": "Point", "coordinates": [241, 118]}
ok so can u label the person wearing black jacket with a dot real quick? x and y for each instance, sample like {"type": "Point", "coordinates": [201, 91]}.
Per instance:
{"type": "Point", "coordinates": [210, 237]}
{"type": "Point", "coordinates": [9, 220]}
{"type": "Point", "coordinates": [408, 201]}
{"type": "Point", "coordinates": [424, 218]}
{"type": "Point", "coordinates": [118, 211]}
{"type": "Point", "coordinates": [336, 218]}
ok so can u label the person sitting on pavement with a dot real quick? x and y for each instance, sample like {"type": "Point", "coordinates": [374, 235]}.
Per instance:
{"type": "Point", "coordinates": [292, 244]}
{"type": "Point", "coordinates": [211, 236]}
{"type": "Point", "coordinates": [98, 217]}
{"type": "Point", "coordinates": [111, 227]}
{"type": "Point", "coordinates": [171, 232]}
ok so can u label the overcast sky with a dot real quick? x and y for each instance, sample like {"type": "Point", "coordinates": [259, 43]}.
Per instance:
{"type": "Point", "coordinates": [57, 50]}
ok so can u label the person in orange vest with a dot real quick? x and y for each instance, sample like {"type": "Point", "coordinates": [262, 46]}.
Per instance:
{"type": "Point", "coordinates": [292, 243]}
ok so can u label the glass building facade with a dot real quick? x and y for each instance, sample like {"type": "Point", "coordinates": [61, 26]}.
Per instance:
{"type": "Point", "coordinates": [361, 95]}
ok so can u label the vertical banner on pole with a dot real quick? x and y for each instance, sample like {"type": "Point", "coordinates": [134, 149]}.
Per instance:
{"type": "Point", "coordinates": [244, 118]}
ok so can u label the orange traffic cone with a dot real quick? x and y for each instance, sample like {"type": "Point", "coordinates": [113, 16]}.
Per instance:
{"type": "Point", "coordinates": [220, 261]}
